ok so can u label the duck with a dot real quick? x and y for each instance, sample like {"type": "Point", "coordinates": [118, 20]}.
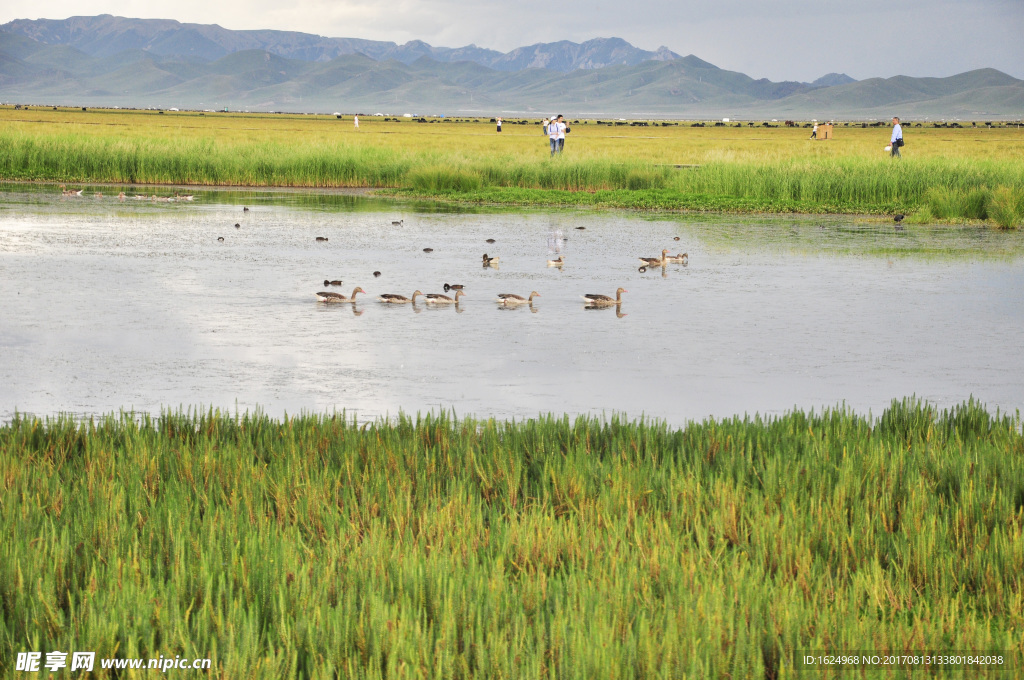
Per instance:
{"type": "Point", "coordinates": [655, 260]}
{"type": "Point", "coordinates": [237, 225]}
{"type": "Point", "coordinates": [604, 300]}
{"type": "Point", "coordinates": [120, 196]}
{"type": "Point", "coordinates": [453, 286]}
{"type": "Point", "coordinates": [399, 299]}
{"type": "Point", "coordinates": [439, 299]}
{"type": "Point", "coordinates": [898, 218]}
{"type": "Point", "coordinates": [676, 238]}
{"type": "Point", "coordinates": [642, 269]}
{"type": "Point", "coordinates": [428, 250]}
{"type": "Point", "coordinates": [328, 282]}
{"type": "Point", "coordinates": [488, 261]}
{"type": "Point", "coordinates": [376, 274]}
{"type": "Point", "coordinates": [321, 238]}
{"type": "Point", "coordinates": [681, 258]}
{"type": "Point", "coordinates": [99, 194]}
{"type": "Point", "coordinates": [220, 238]}
{"type": "Point", "coordinates": [557, 263]}
{"type": "Point", "coordinates": [490, 240]}
{"type": "Point", "coordinates": [324, 296]}
{"type": "Point", "coordinates": [245, 209]}
{"type": "Point", "coordinates": [581, 228]}
{"type": "Point", "coordinates": [513, 299]}
{"type": "Point", "coordinates": [397, 223]}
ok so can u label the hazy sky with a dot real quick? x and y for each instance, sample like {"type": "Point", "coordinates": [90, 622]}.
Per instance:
{"type": "Point", "coordinates": [780, 40]}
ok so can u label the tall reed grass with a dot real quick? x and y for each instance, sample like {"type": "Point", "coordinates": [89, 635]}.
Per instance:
{"type": "Point", "coordinates": [757, 173]}
{"type": "Point", "coordinates": [314, 547]}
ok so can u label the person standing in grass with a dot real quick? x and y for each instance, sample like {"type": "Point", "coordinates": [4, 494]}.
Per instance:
{"type": "Point", "coordinates": [553, 134]}
{"type": "Point", "coordinates": [499, 124]}
{"type": "Point", "coordinates": [814, 132]}
{"type": "Point", "coordinates": [562, 129]}
{"type": "Point", "coordinates": [896, 140]}
{"type": "Point", "coordinates": [355, 119]}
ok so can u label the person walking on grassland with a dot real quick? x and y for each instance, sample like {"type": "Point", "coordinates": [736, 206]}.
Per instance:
{"type": "Point", "coordinates": [896, 140]}
{"type": "Point", "coordinates": [499, 124]}
{"type": "Point", "coordinates": [814, 132]}
{"type": "Point", "coordinates": [355, 119]}
{"type": "Point", "coordinates": [562, 129]}
{"type": "Point", "coordinates": [553, 134]}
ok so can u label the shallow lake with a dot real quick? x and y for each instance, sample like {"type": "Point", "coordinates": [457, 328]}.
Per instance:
{"type": "Point", "coordinates": [136, 305]}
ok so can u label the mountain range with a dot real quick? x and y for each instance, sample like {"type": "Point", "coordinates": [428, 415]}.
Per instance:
{"type": "Point", "coordinates": [114, 61]}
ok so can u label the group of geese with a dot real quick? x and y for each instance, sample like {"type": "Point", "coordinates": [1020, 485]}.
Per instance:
{"type": "Point", "coordinates": [591, 300]}
{"type": "Point", "coordinates": [122, 196]}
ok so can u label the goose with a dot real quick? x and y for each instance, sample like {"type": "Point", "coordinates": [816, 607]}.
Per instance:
{"type": "Point", "coordinates": [681, 258]}
{"type": "Point", "coordinates": [453, 286]}
{"type": "Point", "coordinates": [99, 194]}
{"type": "Point", "coordinates": [324, 296]}
{"type": "Point", "coordinates": [655, 260]}
{"type": "Point", "coordinates": [557, 263]}
{"type": "Point", "coordinates": [428, 250]}
{"type": "Point", "coordinates": [321, 238]}
{"type": "Point", "coordinates": [513, 299]}
{"type": "Point", "coordinates": [398, 299]}
{"type": "Point", "coordinates": [397, 223]}
{"type": "Point", "coordinates": [581, 228]}
{"type": "Point", "coordinates": [180, 197]}
{"type": "Point", "coordinates": [604, 300]}
{"type": "Point", "coordinates": [328, 282]}
{"type": "Point", "coordinates": [120, 196]}
{"type": "Point", "coordinates": [439, 299]}
{"type": "Point", "coordinates": [488, 261]}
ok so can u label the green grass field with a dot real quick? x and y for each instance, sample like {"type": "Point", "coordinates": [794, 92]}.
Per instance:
{"type": "Point", "coordinates": [313, 547]}
{"type": "Point", "coordinates": [946, 174]}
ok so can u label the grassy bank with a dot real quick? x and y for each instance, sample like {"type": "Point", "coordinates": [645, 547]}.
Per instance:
{"type": "Point", "coordinates": [443, 548]}
{"type": "Point", "coordinates": [947, 175]}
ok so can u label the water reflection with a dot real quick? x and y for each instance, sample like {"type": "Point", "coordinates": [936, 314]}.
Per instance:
{"type": "Point", "coordinates": [765, 314]}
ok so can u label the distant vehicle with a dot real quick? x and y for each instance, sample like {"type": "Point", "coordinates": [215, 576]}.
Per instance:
{"type": "Point", "coordinates": [335, 114]}
{"type": "Point", "coordinates": [378, 114]}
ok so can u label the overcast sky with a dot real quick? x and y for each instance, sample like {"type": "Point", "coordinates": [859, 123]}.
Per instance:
{"type": "Point", "coordinates": [779, 39]}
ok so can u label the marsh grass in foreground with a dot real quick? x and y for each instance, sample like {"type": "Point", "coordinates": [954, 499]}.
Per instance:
{"type": "Point", "coordinates": [432, 547]}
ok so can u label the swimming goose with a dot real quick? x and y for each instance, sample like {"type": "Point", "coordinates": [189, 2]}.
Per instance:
{"type": "Point", "coordinates": [681, 258]}
{"type": "Point", "coordinates": [185, 197]}
{"type": "Point", "coordinates": [656, 260]}
{"type": "Point", "coordinates": [439, 299]}
{"type": "Point", "coordinates": [397, 223]}
{"type": "Point", "coordinates": [328, 282]}
{"type": "Point", "coordinates": [324, 296]}
{"type": "Point", "coordinates": [321, 238]}
{"type": "Point", "coordinates": [120, 196]}
{"type": "Point", "coordinates": [557, 263]}
{"type": "Point", "coordinates": [513, 299]}
{"type": "Point", "coordinates": [428, 250]}
{"type": "Point", "coordinates": [453, 286]}
{"type": "Point", "coordinates": [398, 299]}
{"type": "Point", "coordinates": [604, 300]}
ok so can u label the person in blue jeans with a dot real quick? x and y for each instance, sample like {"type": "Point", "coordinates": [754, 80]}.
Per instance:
{"type": "Point", "coordinates": [897, 138]}
{"type": "Point", "coordinates": [553, 134]}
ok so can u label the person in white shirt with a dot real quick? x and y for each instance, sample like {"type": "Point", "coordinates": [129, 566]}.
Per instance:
{"type": "Point", "coordinates": [562, 129]}
{"type": "Point", "coordinates": [897, 138]}
{"type": "Point", "coordinates": [355, 119]}
{"type": "Point", "coordinates": [814, 132]}
{"type": "Point", "coordinates": [553, 134]}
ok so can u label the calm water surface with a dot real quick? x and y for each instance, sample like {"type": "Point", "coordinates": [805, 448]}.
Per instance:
{"type": "Point", "coordinates": [137, 305]}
